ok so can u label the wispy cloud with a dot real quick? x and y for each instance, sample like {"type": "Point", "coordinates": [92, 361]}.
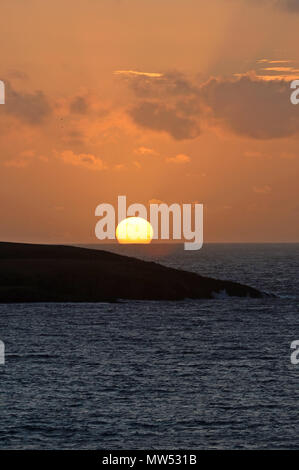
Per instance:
{"type": "Point", "coordinates": [284, 69]}
{"type": "Point", "coordinates": [179, 159]}
{"type": "Point", "coordinates": [86, 160]}
{"type": "Point", "coordinates": [262, 189]}
{"type": "Point", "coordinates": [268, 61]}
{"type": "Point", "coordinates": [137, 73]}
{"type": "Point", "coordinates": [145, 151]}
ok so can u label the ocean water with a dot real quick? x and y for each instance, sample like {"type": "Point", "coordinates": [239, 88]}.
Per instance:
{"type": "Point", "coordinates": [203, 374]}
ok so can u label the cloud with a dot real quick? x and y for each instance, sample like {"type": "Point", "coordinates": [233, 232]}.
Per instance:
{"type": "Point", "coordinates": [252, 107]}
{"type": "Point", "coordinates": [290, 5]}
{"type": "Point", "coordinates": [79, 105]}
{"type": "Point", "coordinates": [145, 151]}
{"type": "Point", "coordinates": [31, 108]}
{"type": "Point", "coordinates": [270, 61]}
{"type": "Point", "coordinates": [163, 118]}
{"type": "Point", "coordinates": [132, 73]}
{"type": "Point", "coordinates": [249, 105]}
{"type": "Point", "coordinates": [85, 160]}
{"type": "Point", "coordinates": [268, 69]}
{"type": "Point", "coordinates": [164, 103]}
{"type": "Point", "coordinates": [262, 189]}
{"type": "Point", "coordinates": [171, 84]}
{"type": "Point", "coordinates": [179, 159]}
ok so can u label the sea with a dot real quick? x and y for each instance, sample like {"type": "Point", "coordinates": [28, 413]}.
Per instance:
{"type": "Point", "coordinates": [193, 374]}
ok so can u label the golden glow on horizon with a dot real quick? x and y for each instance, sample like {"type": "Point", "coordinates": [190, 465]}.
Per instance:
{"type": "Point", "coordinates": [136, 72]}
{"type": "Point", "coordinates": [134, 230]}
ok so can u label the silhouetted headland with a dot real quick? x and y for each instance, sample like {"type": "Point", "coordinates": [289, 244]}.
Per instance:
{"type": "Point", "coordinates": [56, 273]}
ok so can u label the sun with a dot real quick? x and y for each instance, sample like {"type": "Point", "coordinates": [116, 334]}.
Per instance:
{"type": "Point", "coordinates": [134, 230]}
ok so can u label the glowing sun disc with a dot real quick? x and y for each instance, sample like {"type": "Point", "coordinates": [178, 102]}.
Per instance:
{"type": "Point", "coordinates": [134, 230]}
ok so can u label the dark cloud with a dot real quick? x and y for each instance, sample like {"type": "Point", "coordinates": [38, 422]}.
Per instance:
{"type": "Point", "coordinates": [248, 106]}
{"type": "Point", "coordinates": [31, 108]}
{"type": "Point", "coordinates": [165, 103]}
{"type": "Point", "coordinates": [170, 84]}
{"type": "Point", "coordinates": [251, 107]}
{"type": "Point", "coordinates": [160, 117]}
{"type": "Point", "coordinates": [79, 105]}
{"type": "Point", "coordinates": [290, 5]}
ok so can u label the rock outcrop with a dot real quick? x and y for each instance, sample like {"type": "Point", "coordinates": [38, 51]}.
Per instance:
{"type": "Point", "coordinates": [56, 273]}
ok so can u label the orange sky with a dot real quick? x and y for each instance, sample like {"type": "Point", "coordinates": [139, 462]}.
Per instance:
{"type": "Point", "coordinates": [172, 100]}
